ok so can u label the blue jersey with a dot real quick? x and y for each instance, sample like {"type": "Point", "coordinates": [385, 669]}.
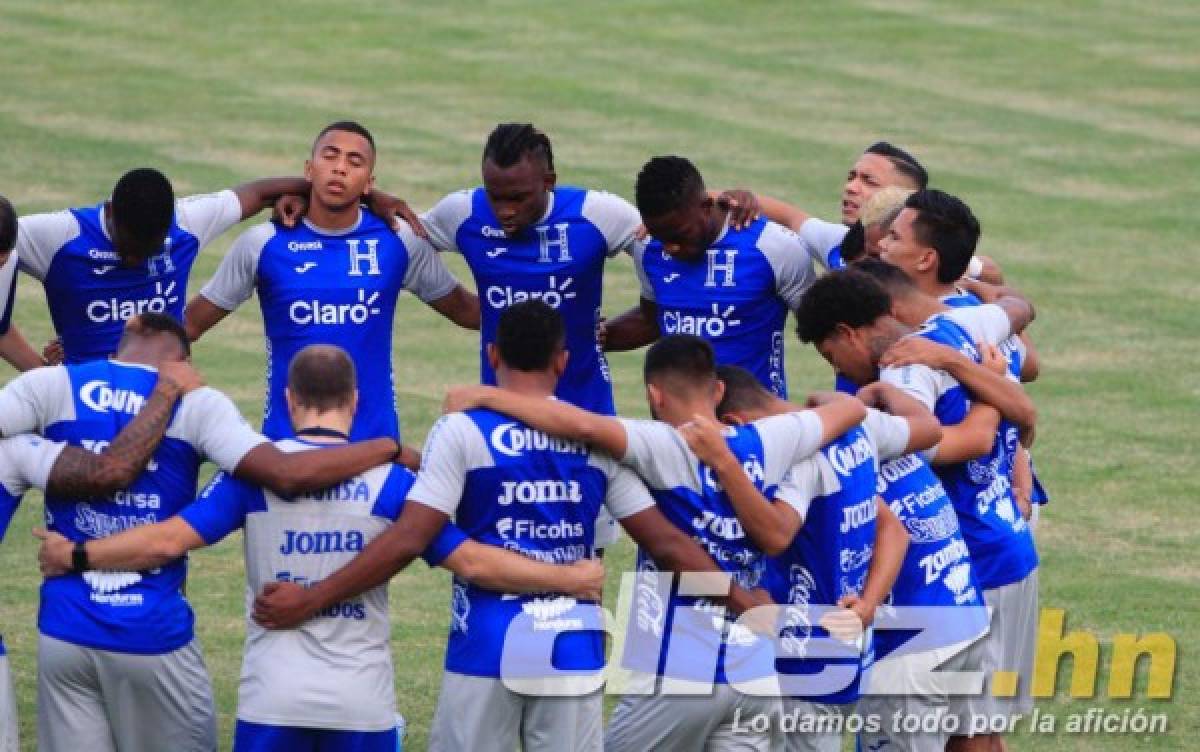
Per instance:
{"type": "Point", "coordinates": [697, 643]}
{"type": "Point", "coordinates": [87, 405]}
{"type": "Point", "coordinates": [90, 293]}
{"type": "Point", "coordinates": [823, 241]}
{"type": "Point", "coordinates": [999, 539]}
{"type": "Point", "coordinates": [736, 295]}
{"type": "Point", "coordinates": [510, 486]}
{"type": "Point", "coordinates": [558, 260]}
{"type": "Point", "coordinates": [330, 287]}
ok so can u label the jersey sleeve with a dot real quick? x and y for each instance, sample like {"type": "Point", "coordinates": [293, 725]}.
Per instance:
{"type": "Point", "coordinates": [444, 463]}
{"type": "Point", "coordinates": [987, 323]}
{"type": "Point", "coordinates": [616, 219]}
{"type": "Point", "coordinates": [888, 433]}
{"type": "Point", "coordinates": [221, 507]}
{"type": "Point", "coordinates": [40, 236]}
{"type": "Point", "coordinates": [919, 381]}
{"type": "Point", "coordinates": [8, 291]}
{"type": "Point", "coordinates": [627, 494]}
{"type": "Point", "coordinates": [444, 543]}
{"type": "Point", "coordinates": [443, 220]}
{"type": "Point", "coordinates": [659, 454]}
{"type": "Point", "coordinates": [638, 252]}
{"type": "Point", "coordinates": [208, 215]}
{"type": "Point", "coordinates": [787, 439]}
{"type": "Point", "coordinates": [793, 268]}
{"type": "Point", "coordinates": [800, 486]}
{"type": "Point", "coordinates": [233, 282]}
{"type": "Point", "coordinates": [427, 277]}
{"type": "Point", "coordinates": [212, 424]}
{"type": "Point", "coordinates": [34, 400]}
{"type": "Point", "coordinates": [819, 238]}
{"type": "Point", "coordinates": [26, 461]}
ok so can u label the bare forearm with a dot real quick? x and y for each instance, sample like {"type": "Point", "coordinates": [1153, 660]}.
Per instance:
{"type": "Point", "coordinates": [200, 315]}
{"type": "Point", "coordinates": [782, 212]}
{"type": "Point", "coordinates": [494, 568]}
{"type": "Point", "coordinates": [771, 526]}
{"type": "Point", "coordinates": [891, 543]}
{"type": "Point", "coordinates": [460, 306]}
{"type": "Point", "coordinates": [995, 389]}
{"type": "Point", "coordinates": [383, 557]}
{"type": "Point", "coordinates": [259, 194]}
{"type": "Point", "coordinates": [289, 473]}
{"type": "Point", "coordinates": [970, 439]}
{"type": "Point", "coordinates": [15, 349]}
{"type": "Point", "coordinates": [630, 330]}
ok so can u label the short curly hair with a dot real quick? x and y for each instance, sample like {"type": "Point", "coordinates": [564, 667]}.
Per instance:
{"type": "Point", "coordinates": [847, 296]}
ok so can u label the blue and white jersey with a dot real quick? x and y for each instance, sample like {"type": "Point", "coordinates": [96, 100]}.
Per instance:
{"type": "Point", "coordinates": [25, 462]}
{"type": "Point", "coordinates": [330, 287]}
{"type": "Point", "coordinates": [335, 670]}
{"type": "Point", "coordinates": [937, 567]}
{"type": "Point", "coordinates": [87, 405]}
{"type": "Point", "coordinates": [510, 486]}
{"type": "Point", "coordinates": [823, 241]}
{"type": "Point", "coordinates": [737, 296]}
{"type": "Point", "coordinates": [690, 629]}
{"type": "Point", "coordinates": [8, 291]}
{"type": "Point", "coordinates": [997, 536]}
{"type": "Point", "coordinates": [834, 494]}
{"type": "Point", "coordinates": [90, 294]}
{"type": "Point", "coordinates": [558, 260]}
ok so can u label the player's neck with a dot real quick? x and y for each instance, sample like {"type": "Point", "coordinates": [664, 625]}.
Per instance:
{"type": "Point", "coordinates": [915, 309]}
{"type": "Point", "coordinates": [322, 426]}
{"type": "Point", "coordinates": [528, 383]}
{"type": "Point", "coordinates": [678, 413]}
{"type": "Point", "coordinates": [332, 218]}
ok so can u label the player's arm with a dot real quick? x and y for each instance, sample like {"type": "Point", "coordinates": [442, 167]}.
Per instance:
{"type": "Point", "coordinates": [261, 194]}
{"type": "Point", "coordinates": [200, 315]}
{"type": "Point", "coordinates": [1017, 307]}
{"type": "Point", "coordinates": [989, 271]}
{"type": "Point", "coordinates": [1031, 364]}
{"type": "Point", "coordinates": [891, 543]}
{"type": "Point", "coordinates": [971, 439]}
{"type": "Point", "coordinates": [779, 212]}
{"type": "Point", "coordinates": [635, 328]}
{"type": "Point", "coordinates": [494, 568]}
{"type": "Point", "coordinates": [139, 548]}
{"type": "Point", "coordinates": [460, 306]}
{"type": "Point", "coordinates": [290, 473]}
{"type": "Point", "coordinates": [549, 416]}
{"type": "Point", "coordinates": [837, 412]}
{"type": "Point", "coordinates": [15, 349]}
{"type": "Point", "coordinates": [78, 473]}
{"type": "Point", "coordinates": [924, 430]}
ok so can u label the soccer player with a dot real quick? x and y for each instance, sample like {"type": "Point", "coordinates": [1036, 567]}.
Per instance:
{"type": "Point", "coordinates": [327, 685]}
{"type": "Point", "coordinates": [703, 276]}
{"type": "Point", "coordinates": [116, 658]}
{"type": "Point", "coordinates": [681, 388]}
{"type": "Point", "coordinates": [936, 570]}
{"type": "Point", "coordinates": [332, 279]}
{"type": "Point", "coordinates": [848, 317]}
{"type": "Point", "coordinates": [13, 347]}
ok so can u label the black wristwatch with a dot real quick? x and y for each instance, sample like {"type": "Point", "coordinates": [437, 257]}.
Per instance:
{"type": "Point", "coordinates": [79, 558]}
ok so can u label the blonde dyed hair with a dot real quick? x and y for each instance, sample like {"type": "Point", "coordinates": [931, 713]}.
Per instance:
{"type": "Point", "coordinates": [884, 205]}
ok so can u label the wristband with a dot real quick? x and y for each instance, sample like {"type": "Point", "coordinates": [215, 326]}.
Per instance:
{"type": "Point", "coordinates": [79, 558]}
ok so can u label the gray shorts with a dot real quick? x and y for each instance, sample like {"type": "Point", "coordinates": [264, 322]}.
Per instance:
{"type": "Point", "coordinates": [480, 713]}
{"type": "Point", "coordinates": [103, 701]}
{"type": "Point", "coordinates": [8, 709]}
{"type": "Point", "coordinates": [681, 723]}
{"type": "Point", "coordinates": [795, 711]}
{"type": "Point", "coordinates": [1010, 646]}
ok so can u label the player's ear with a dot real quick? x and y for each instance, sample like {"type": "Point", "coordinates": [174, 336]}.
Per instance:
{"type": "Point", "coordinates": [287, 397]}
{"type": "Point", "coordinates": [370, 185]}
{"type": "Point", "coordinates": [654, 398]}
{"type": "Point", "coordinates": [308, 170]}
{"type": "Point", "coordinates": [493, 356]}
{"type": "Point", "coordinates": [718, 392]}
{"type": "Point", "coordinates": [559, 362]}
{"type": "Point", "coordinates": [732, 418]}
{"type": "Point", "coordinates": [549, 179]}
{"type": "Point", "coordinates": [927, 260]}
{"type": "Point", "coordinates": [354, 402]}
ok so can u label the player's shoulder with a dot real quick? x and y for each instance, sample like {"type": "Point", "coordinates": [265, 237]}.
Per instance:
{"type": "Point", "coordinates": [601, 204]}
{"type": "Point", "coordinates": [773, 237]}
{"type": "Point", "coordinates": [257, 236]}
{"type": "Point", "coordinates": [56, 227]}
{"type": "Point", "coordinates": [201, 402]}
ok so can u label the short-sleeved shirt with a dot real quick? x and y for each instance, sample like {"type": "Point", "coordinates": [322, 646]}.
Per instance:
{"type": "Point", "coordinates": [823, 241]}
{"type": "Point", "coordinates": [736, 296]}
{"type": "Point", "coordinates": [335, 670]}
{"type": "Point", "coordinates": [558, 260]}
{"type": "Point", "coordinates": [87, 405]}
{"type": "Point", "coordinates": [508, 485]}
{"type": "Point", "coordinates": [331, 287]}
{"type": "Point", "coordinates": [8, 291]}
{"type": "Point", "coordinates": [689, 495]}
{"type": "Point", "coordinates": [90, 293]}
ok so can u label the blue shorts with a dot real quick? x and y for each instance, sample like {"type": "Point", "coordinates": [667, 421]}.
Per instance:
{"type": "Point", "coordinates": [259, 737]}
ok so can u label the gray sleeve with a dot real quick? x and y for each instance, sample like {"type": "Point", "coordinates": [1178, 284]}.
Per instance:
{"type": "Point", "coordinates": [443, 220]}
{"type": "Point", "coordinates": [787, 439]}
{"type": "Point", "coordinates": [454, 446]}
{"type": "Point", "coordinates": [638, 252]}
{"type": "Point", "coordinates": [8, 290]}
{"type": "Point", "coordinates": [659, 454]}
{"type": "Point", "coordinates": [626, 495]}
{"type": "Point", "coordinates": [40, 236]}
{"type": "Point", "coordinates": [793, 268]}
{"type": "Point", "coordinates": [888, 433]}
{"type": "Point", "coordinates": [427, 277]}
{"type": "Point", "coordinates": [212, 424]}
{"type": "Point", "coordinates": [917, 380]}
{"type": "Point", "coordinates": [233, 282]}
{"type": "Point", "coordinates": [34, 400]}
{"type": "Point", "coordinates": [26, 460]}
{"type": "Point", "coordinates": [616, 219]}
{"type": "Point", "coordinates": [800, 486]}
{"type": "Point", "coordinates": [820, 238]}
{"type": "Point", "coordinates": [985, 323]}
{"type": "Point", "coordinates": [209, 214]}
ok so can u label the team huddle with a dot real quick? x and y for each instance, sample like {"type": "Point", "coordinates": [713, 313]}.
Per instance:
{"type": "Point", "coordinates": [858, 564]}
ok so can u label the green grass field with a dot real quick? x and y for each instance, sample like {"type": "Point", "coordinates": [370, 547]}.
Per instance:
{"type": "Point", "coordinates": [1072, 128]}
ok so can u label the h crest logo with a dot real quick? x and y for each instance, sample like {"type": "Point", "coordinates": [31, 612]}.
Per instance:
{"type": "Point", "coordinates": [162, 263]}
{"type": "Point", "coordinates": [564, 254]}
{"type": "Point", "coordinates": [714, 266]}
{"type": "Point", "coordinates": [357, 256]}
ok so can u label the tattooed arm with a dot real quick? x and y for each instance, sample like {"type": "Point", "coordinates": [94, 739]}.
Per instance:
{"type": "Point", "coordinates": [80, 473]}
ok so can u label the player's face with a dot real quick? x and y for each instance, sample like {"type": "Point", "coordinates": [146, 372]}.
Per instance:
{"type": "Point", "coordinates": [872, 237]}
{"type": "Point", "coordinates": [518, 194]}
{"type": "Point", "coordinates": [340, 169]}
{"type": "Point", "coordinates": [870, 173]}
{"type": "Point", "coordinates": [686, 232]}
{"type": "Point", "coordinates": [847, 351]}
{"type": "Point", "coordinates": [901, 248]}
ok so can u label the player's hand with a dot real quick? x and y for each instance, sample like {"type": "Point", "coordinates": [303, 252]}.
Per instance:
{"type": "Point", "coordinates": [289, 209]}
{"type": "Point", "coordinates": [393, 209]}
{"type": "Point", "coordinates": [742, 206]}
{"type": "Point", "coordinates": [816, 399]}
{"type": "Point", "coordinates": [641, 233]}
{"type": "Point", "coordinates": [875, 394]}
{"type": "Point", "coordinates": [460, 398]}
{"type": "Point", "coordinates": [53, 352]}
{"type": "Point", "coordinates": [409, 457]}
{"type": "Point", "coordinates": [181, 375]}
{"type": "Point", "coordinates": [282, 605]}
{"type": "Point", "coordinates": [991, 358]}
{"type": "Point", "coordinates": [909, 351]}
{"type": "Point", "coordinates": [585, 579]}
{"type": "Point", "coordinates": [849, 619]}
{"type": "Point", "coordinates": [705, 437]}
{"type": "Point", "coordinates": [54, 555]}
{"type": "Point", "coordinates": [982, 290]}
